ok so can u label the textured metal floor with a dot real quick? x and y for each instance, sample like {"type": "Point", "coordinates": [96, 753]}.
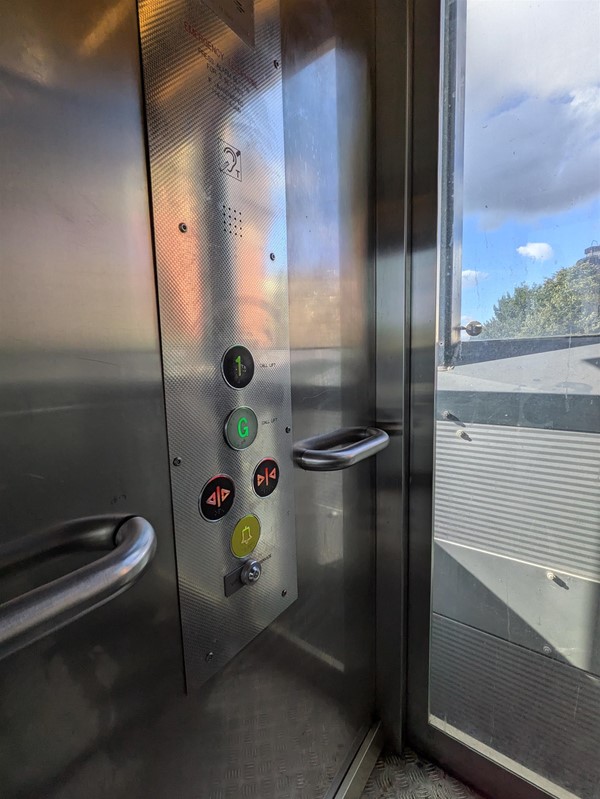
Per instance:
{"type": "Point", "coordinates": [408, 776]}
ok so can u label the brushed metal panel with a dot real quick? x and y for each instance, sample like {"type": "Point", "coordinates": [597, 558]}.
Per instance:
{"type": "Point", "coordinates": [82, 426]}
{"type": "Point", "coordinates": [327, 50]}
{"type": "Point", "coordinates": [540, 713]}
{"type": "Point", "coordinates": [270, 725]}
{"type": "Point", "coordinates": [548, 612]}
{"type": "Point", "coordinates": [222, 281]}
{"type": "Point", "coordinates": [392, 144]}
{"type": "Point", "coordinates": [362, 765]}
{"type": "Point", "coordinates": [528, 494]}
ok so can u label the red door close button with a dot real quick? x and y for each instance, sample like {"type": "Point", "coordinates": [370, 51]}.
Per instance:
{"type": "Point", "coordinates": [266, 477]}
{"type": "Point", "coordinates": [217, 497]}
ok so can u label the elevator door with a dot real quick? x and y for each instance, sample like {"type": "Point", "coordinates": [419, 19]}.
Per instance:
{"type": "Point", "coordinates": [180, 673]}
{"type": "Point", "coordinates": [511, 694]}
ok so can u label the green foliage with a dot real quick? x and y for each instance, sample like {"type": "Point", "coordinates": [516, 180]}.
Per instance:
{"type": "Point", "coordinates": [566, 303]}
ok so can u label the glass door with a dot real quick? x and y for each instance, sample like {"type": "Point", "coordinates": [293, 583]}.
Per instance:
{"type": "Point", "coordinates": [514, 611]}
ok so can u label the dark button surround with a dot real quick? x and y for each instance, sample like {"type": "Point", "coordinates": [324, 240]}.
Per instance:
{"type": "Point", "coordinates": [216, 498]}
{"type": "Point", "coordinates": [238, 366]}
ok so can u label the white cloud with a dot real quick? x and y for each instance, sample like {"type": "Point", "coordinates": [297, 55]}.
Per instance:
{"type": "Point", "coordinates": [537, 250]}
{"type": "Point", "coordinates": [529, 48]}
{"type": "Point", "coordinates": [471, 277]}
{"type": "Point", "coordinates": [532, 108]}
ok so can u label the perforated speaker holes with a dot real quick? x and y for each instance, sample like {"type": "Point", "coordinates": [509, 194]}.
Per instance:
{"type": "Point", "coordinates": [232, 221]}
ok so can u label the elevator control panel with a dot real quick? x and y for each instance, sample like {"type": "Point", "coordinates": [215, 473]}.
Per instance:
{"type": "Point", "coordinates": [215, 135]}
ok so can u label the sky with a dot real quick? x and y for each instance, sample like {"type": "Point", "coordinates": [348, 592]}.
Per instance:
{"type": "Point", "coordinates": [531, 190]}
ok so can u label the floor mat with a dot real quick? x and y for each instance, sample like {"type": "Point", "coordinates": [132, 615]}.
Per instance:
{"type": "Point", "coordinates": [408, 776]}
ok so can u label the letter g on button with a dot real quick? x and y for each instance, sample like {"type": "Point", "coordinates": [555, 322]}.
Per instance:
{"type": "Point", "coordinates": [243, 427]}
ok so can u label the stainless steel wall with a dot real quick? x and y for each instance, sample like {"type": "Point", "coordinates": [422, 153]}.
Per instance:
{"type": "Point", "coordinates": [81, 419]}
{"type": "Point", "coordinates": [392, 150]}
{"type": "Point", "coordinates": [99, 708]}
{"type": "Point", "coordinates": [327, 107]}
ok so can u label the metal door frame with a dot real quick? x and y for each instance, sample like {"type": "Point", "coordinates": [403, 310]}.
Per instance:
{"type": "Point", "coordinates": [392, 93]}
{"type": "Point", "coordinates": [424, 48]}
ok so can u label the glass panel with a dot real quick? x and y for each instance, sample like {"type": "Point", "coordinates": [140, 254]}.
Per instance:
{"type": "Point", "coordinates": [522, 158]}
{"type": "Point", "coordinates": [515, 648]}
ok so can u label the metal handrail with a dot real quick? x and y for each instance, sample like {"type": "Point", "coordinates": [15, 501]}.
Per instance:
{"type": "Point", "coordinates": [339, 449]}
{"type": "Point", "coordinates": [43, 610]}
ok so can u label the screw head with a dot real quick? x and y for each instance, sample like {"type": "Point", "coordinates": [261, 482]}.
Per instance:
{"type": "Point", "coordinates": [547, 650]}
{"type": "Point", "coordinates": [209, 656]}
{"type": "Point", "coordinates": [288, 429]}
{"type": "Point", "coordinates": [183, 227]}
{"type": "Point", "coordinates": [284, 592]}
{"type": "Point", "coordinates": [473, 329]}
{"type": "Point", "coordinates": [177, 461]}
{"type": "Point", "coordinates": [276, 64]}
{"type": "Point", "coordinates": [550, 575]}
{"type": "Point", "coordinates": [272, 256]}
{"type": "Point", "coordinates": [251, 572]}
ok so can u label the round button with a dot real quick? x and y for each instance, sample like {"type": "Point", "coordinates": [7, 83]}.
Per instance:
{"type": "Point", "coordinates": [241, 428]}
{"type": "Point", "coordinates": [238, 366]}
{"type": "Point", "coordinates": [216, 498]}
{"type": "Point", "coordinates": [245, 536]}
{"type": "Point", "coordinates": [266, 477]}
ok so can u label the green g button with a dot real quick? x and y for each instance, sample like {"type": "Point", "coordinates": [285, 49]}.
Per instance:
{"type": "Point", "coordinates": [241, 428]}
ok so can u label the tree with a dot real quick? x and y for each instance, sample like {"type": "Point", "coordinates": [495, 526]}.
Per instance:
{"type": "Point", "coordinates": [566, 303]}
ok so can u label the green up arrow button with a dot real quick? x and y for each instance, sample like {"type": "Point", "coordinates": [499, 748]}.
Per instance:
{"type": "Point", "coordinates": [241, 428]}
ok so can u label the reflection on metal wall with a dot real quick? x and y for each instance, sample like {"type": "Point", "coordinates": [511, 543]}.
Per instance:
{"type": "Point", "coordinates": [99, 708]}
{"type": "Point", "coordinates": [327, 102]}
{"type": "Point", "coordinates": [82, 426]}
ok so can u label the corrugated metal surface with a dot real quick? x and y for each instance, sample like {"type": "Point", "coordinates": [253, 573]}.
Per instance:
{"type": "Point", "coordinates": [525, 493]}
{"type": "Point", "coordinates": [534, 710]}
{"type": "Point", "coordinates": [408, 776]}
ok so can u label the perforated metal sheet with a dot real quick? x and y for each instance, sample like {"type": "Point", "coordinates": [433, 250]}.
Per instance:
{"type": "Point", "coordinates": [408, 776]}
{"type": "Point", "coordinates": [215, 129]}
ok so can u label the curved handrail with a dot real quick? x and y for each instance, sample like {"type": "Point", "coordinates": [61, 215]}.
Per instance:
{"type": "Point", "coordinates": [339, 449]}
{"type": "Point", "coordinates": [43, 610]}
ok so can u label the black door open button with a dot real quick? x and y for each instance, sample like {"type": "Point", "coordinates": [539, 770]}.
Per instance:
{"type": "Point", "coordinates": [217, 497]}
